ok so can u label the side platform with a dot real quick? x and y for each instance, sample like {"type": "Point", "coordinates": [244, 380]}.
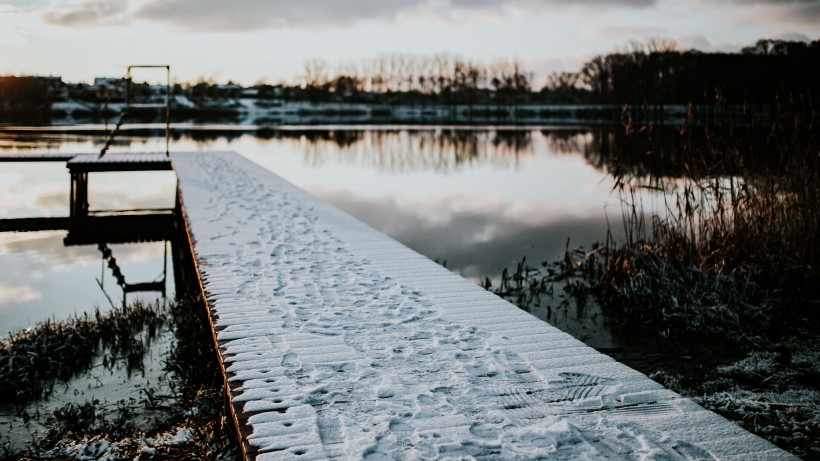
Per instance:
{"type": "Point", "coordinates": [340, 343]}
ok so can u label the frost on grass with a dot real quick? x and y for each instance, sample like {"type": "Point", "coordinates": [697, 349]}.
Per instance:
{"type": "Point", "coordinates": [179, 443]}
{"type": "Point", "coordinates": [32, 361]}
{"type": "Point", "coordinates": [757, 357]}
{"type": "Point", "coordinates": [178, 414]}
{"type": "Point", "coordinates": [773, 394]}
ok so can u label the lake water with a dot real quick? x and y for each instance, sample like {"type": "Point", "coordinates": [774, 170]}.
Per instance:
{"type": "Point", "coordinates": [475, 199]}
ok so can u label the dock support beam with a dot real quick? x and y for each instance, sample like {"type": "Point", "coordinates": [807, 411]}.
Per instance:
{"type": "Point", "coordinates": [78, 206]}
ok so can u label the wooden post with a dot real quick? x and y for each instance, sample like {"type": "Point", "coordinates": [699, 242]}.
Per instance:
{"type": "Point", "coordinates": [72, 196]}
{"type": "Point", "coordinates": [78, 206]}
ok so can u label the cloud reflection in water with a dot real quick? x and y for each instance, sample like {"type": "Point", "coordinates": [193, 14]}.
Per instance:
{"type": "Point", "coordinates": [476, 239]}
{"type": "Point", "coordinates": [17, 294]}
{"type": "Point", "coordinates": [61, 281]}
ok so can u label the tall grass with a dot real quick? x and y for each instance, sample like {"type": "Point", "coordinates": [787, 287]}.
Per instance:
{"type": "Point", "coordinates": [721, 226]}
{"type": "Point", "coordinates": [732, 245]}
{"type": "Point", "coordinates": [32, 361]}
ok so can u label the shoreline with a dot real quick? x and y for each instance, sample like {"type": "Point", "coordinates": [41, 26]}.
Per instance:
{"type": "Point", "coordinates": [260, 113]}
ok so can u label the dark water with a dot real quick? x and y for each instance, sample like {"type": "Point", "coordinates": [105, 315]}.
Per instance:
{"type": "Point", "coordinates": [477, 199]}
{"type": "Point", "coordinates": [43, 275]}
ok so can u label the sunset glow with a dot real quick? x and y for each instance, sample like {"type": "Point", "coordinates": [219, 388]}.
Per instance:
{"type": "Point", "coordinates": [258, 40]}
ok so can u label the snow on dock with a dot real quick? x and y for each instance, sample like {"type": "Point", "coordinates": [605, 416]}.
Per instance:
{"type": "Point", "coordinates": [340, 343]}
{"type": "Point", "coordinates": [139, 161]}
{"type": "Point", "coordinates": [37, 157]}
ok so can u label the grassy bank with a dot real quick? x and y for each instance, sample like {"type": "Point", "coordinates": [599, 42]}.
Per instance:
{"type": "Point", "coordinates": [180, 416]}
{"type": "Point", "coordinates": [32, 361]}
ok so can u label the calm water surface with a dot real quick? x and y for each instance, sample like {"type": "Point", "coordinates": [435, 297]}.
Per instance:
{"type": "Point", "coordinates": [478, 200]}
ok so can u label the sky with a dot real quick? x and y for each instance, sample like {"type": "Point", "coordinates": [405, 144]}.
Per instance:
{"type": "Point", "coordinates": [250, 41]}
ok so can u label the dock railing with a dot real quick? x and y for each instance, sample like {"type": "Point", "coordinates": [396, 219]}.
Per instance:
{"type": "Point", "coordinates": [130, 104]}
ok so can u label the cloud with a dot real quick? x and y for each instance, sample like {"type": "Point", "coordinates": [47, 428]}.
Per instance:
{"type": "Point", "coordinates": [47, 253]}
{"type": "Point", "coordinates": [776, 2]}
{"type": "Point", "coordinates": [21, 5]}
{"type": "Point", "coordinates": [793, 37]}
{"type": "Point", "coordinates": [247, 15]}
{"type": "Point", "coordinates": [697, 42]}
{"type": "Point", "coordinates": [14, 25]}
{"type": "Point", "coordinates": [543, 3]}
{"type": "Point", "coordinates": [784, 12]}
{"type": "Point", "coordinates": [805, 13]}
{"type": "Point", "coordinates": [89, 13]}
{"type": "Point", "coordinates": [627, 32]}
{"type": "Point", "coordinates": [20, 294]}
{"type": "Point", "coordinates": [241, 15]}
{"type": "Point", "coordinates": [11, 37]}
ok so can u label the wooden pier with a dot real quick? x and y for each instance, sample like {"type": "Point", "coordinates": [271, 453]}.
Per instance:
{"type": "Point", "coordinates": [80, 166]}
{"type": "Point", "coordinates": [88, 227]}
{"type": "Point", "coordinates": [339, 343]}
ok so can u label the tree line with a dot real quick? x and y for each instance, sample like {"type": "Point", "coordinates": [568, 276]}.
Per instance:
{"type": "Point", "coordinates": [18, 93]}
{"type": "Point", "coordinates": [651, 73]}
{"type": "Point", "coordinates": [658, 73]}
{"type": "Point", "coordinates": [403, 78]}
{"type": "Point", "coordinates": [648, 74]}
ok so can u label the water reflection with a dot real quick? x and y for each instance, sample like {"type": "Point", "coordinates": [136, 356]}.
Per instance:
{"type": "Point", "coordinates": [478, 198]}
{"type": "Point", "coordinates": [42, 278]}
{"type": "Point", "coordinates": [441, 151]}
{"type": "Point", "coordinates": [29, 189]}
{"type": "Point", "coordinates": [17, 294]}
{"type": "Point", "coordinates": [475, 239]}
{"type": "Point", "coordinates": [505, 191]}
{"type": "Point", "coordinates": [54, 266]}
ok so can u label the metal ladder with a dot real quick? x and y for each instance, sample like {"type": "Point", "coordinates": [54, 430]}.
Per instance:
{"type": "Point", "coordinates": [129, 104]}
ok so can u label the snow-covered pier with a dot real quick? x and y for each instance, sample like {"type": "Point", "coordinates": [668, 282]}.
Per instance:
{"type": "Point", "coordinates": [338, 342]}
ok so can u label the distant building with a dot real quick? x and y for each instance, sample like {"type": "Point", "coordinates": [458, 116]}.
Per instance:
{"type": "Point", "coordinates": [250, 93]}
{"type": "Point", "coordinates": [30, 92]}
{"type": "Point", "coordinates": [57, 90]}
{"type": "Point", "coordinates": [108, 89]}
{"type": "Point", "coordinates": [270, 91]}
{"type": "Point", "coordinates": [227, 91]}
{"type": "Point", "coordinates": [159, 89]}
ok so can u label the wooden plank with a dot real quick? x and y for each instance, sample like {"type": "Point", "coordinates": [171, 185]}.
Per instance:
{"type": "Point", "coordinates": [37, 157]}
{"type": "Point", "coordinates": [33, 224]}
{"type": "Point", "coordinates": [93, 230]}
{"type": "Point", "coordinates": [149, 161]}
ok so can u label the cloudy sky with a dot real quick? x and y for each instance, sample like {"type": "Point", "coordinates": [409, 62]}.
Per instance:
{"type": "Point", "coordinates": [253, 40]}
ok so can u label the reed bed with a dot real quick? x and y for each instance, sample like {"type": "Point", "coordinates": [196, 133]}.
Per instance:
{"type": "Point", "coordinates": [33, 360]}
{"type": "Point", "coordinates": [190, 422]}
{"type": "Point", "coordinates": [732, 247]}
{"type": "Point", "coordinates": [727, 248]}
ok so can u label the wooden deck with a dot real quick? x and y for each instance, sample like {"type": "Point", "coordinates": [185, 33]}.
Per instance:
{"type": "Point", "coordinates": [38, 157]}
{"type": "Point", "coordinates": [32, 224]}
{"type": "Point", "coordinates": [339, 343]}
{"type": "Point", "coordinates": [149, 161]}
{"type": "Point", "coordinates": [93, 227]}
{"type": "Point", "coordinates": [87, 162]}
